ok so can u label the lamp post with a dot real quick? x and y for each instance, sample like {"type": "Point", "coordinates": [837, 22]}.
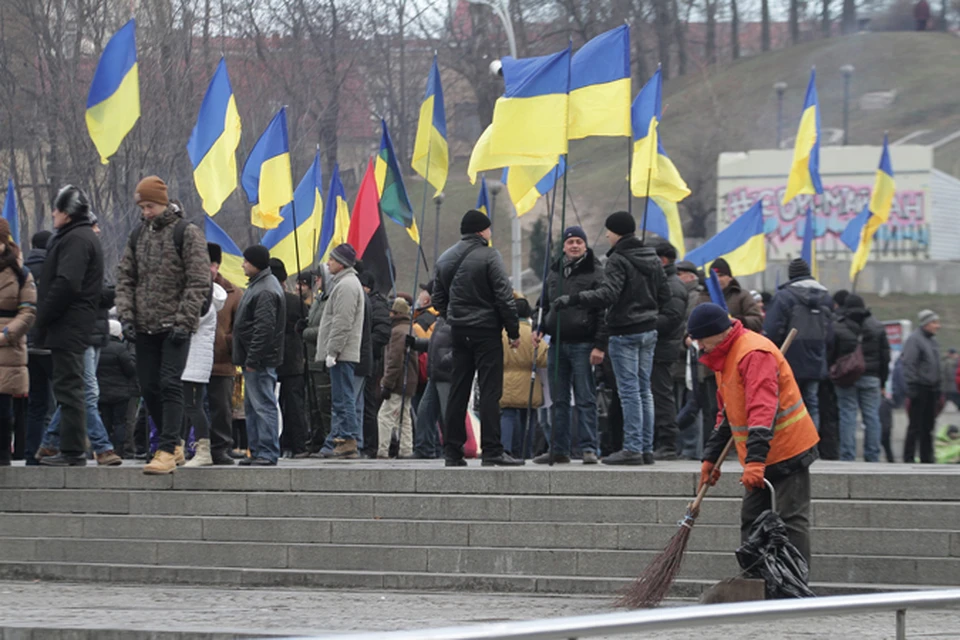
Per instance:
{"type": "Point", "coordinates": [847, 71]}
{"type": "Point", "coordinates": [495, 187]}
{"type": "Point", "coordinates": [780, 88]}
{"type": "Point", "coordinates": [438, 201]}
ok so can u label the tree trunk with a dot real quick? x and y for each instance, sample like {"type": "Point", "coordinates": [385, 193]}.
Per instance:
{"type": "Point", "coordinates": [765, 25]}
{"type": "Point", "coordinates": [680, 35]}
{"type": "Point", "coordinates": [711, 45]}
{"type": "Point", "coordinates": [943, 15]}
{"type": "Point", "coordinates": [825, 19]}
{"type": "Point", "coordinates": [734, 30]}
{"type": "Point", "coordinates": [662, 10]}
{"type": "Point", "coordinates": [794, 21]}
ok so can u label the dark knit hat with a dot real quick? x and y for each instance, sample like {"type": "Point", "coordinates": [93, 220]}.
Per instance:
{"type": "Point", "coordinates": [367, 280]}
{"type": "Point", "coordinates": [798, 268]}
{"type": "Point", "coordinates": [707, 320]}
{"type": "Point", "coordinates": [345, 254]}
{"type": "Point", "coordinates": [278, 269]}
{"type": "Point", "coordinates": [667, 250]}
{"type": "Point", "coordinates": [840, 297]}
{"type": "Point", "coordinates": [40, 239]}
{"type": "Point", "coordinates": [72, 201]}
{"type": "Point", "coordinates": [152, 189]}
{"type": "Point", "coordinates": [474, 221]}
{"type": "Point", "coordinates": [854, 301]}
{"type": "Point", "coordinates": [722, 268]}
{"type": "Point", "coordinates": [575, 232]}
{"type": "Point", "coordinates": [257, 255]}
{"type": "Point", "coordinates": [621, 223]}
{"type": "Point", "coordinates": [306, 277]}
{"type": "Point", "coordinates": [216, 252]}
{"type": "Point", "coordinates": [686, 265]}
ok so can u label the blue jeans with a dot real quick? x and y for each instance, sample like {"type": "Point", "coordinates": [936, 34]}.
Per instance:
{"type": "Point", "coordinates": [343, 400]}
{"type": "Point", "coordinates": [632, 359]}
{"type": "Point", "coordinates": [810, 392]}
{"type": "Point", "coordinates": [262, 413]}
{"type": "Point", "coordinates": [359, 384]}
{"type": "Point", "coordinates": [574, 370]}
{"type": "Point", "coordinates": [96, 432]}
{"type": "Point", "coordinates": [513, 423]}
{"type": "Point", "coordinates": [865, 396]}
{"type": "Point", "coordinates": [426, 440]}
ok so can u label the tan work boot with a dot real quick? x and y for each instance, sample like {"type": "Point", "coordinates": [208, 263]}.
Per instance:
{"type": "Point", "coordinates": [162, 464]}
{"type": "Point", "coordinates": [109, 459]}
{"type": "Point", "coordinates": [201, 456]}
{"type": "Point", "coordinates": [178, 454]}
{"type": "Point", "coordinates": [345, 448]}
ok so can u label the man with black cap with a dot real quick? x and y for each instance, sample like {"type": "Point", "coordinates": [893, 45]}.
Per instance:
{"type": "Point", "coordinates": [338, 345]}
{"type": "Point", "coordinates": [761, 408]}
{"type": "Point", "coordinates": [475, 296]}
{"type": "Point", "coordinates": [921, 372]}
{"type": "Point", "coordinates": [223, 377]}
{"type": "Point", "coordinates": [635, 293]}
{"type": "Point", "coordinates": [803, 304]}
{"type": "Point", "coordinates": [290, 372]}
{"type": "Point", "coordinates": [580, 346]}
{"type": "Point", "coordinates": [258, 349]}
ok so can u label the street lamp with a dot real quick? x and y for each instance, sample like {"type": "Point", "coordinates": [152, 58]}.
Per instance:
{"type": "Point", "coordinates": [780, 88]}
{"type": "Point", "coordinates": [847, 71]}
{"type": "Point", "coordinates": [437, 200]}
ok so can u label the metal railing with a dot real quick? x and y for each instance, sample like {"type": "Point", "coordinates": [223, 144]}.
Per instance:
{"type": "Point", "coordinates": [680, 617]}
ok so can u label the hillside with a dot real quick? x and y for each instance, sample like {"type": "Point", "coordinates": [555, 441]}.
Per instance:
{"type": "Point", "coordinates": [732, 108]}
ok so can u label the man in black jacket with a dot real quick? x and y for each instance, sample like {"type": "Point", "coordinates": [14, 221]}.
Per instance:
{"type": "Point", "coordinates": [633, 292]}
{"type": "Point", "coordinates": [474, 294]}
{"type": "Point", "coordinates": [579, 347]}
{"type": "Point", "coordinates": [293, 395]}
{"type": "Point", "coordinates": [668, 373]}
{"type": "Point", "coordinates": [258, 348]}
{"type": "Point", "coordinates": [68, 298]}
{"type": "Point", "coordinates": [39, 365]}
{"type": "Point", "coordinates": [378, 310]}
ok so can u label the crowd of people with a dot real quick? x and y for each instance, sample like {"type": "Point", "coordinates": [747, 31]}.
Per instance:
{"type": "Point", "coordinates": [624, 361]}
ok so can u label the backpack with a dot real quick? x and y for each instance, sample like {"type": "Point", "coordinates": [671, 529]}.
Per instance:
{"type": "Point", "coordinates": [179, 230]}
{"type": "Point", "coordinates": [810, 318]}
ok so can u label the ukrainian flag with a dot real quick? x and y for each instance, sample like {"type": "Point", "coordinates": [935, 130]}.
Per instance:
{"type": "Point", "coordinates": [854, 230]}
{"type": "Point", "coordinates": [600, 86]}
{"type": "Point", "coordinates": [654, 174]}
{"type": "Point", "coordinates": [527, 183]}
{"type": "Point", "coordinates": [10, 213]}
{"type": "Point", "coordinates": [266, 176]}
{"type": "Point", "coordinates": [881, 200]}
{"type": "Point", "coordinates": [483, 198]}
{"type": "Point", "coordinates": [307, 208]}
{"type": "Point", "coordinates": [394, 202]}
{"type": "Point", "coordinates": [213, 143]}
{"type": "Point", "coordinates": [232, 265]}
{"type": "Point", "coordinates": [335, 223]}
{"type": "Point", "coordinates": [805, 171]}
{"type": "Point", "coordinates": [742, 244]}
{"type": "Point", "coordinates": [431, 157]}
{"type": "Point", "coordinates": [808, 251]}
{"type": "Point", "coordinates": [663, 219]}
{"type": "Point", "coordinates": [482, 158]}
{"type": "Point", "coordinates": [113, 104]}
{"type": "Point", "coordinates": [530, 119]}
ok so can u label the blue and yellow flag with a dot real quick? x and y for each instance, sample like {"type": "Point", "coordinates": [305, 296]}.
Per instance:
{"type": "Point", "coordinates": [266, 174]}
{"type": "Point", "coordinates": [805, 170]}
{"type": "Point", "coordinates": [431, 156]}
{"type": "Point", "coordinates": [853, 232]}
{"type": "Point", "coordinates": [526, 184]}
{"type": "Point", "coordinates": [808, 251]}
{"type": "Point", "coordinates": [715, 289]}
{"type": "Point", "coordinates": [231, 265]}
{"type": "Point", "coordinates": [742, 244]}
{"type": "Point", "coordinates": [10, 213]}
{"type": "Point", "coordinates": [394, 201]}
{"type": "Point", "coordinates": [483, 198]}
{"type": "Point", "coordinates": [881, 200]}
{"type": "Point", "coordinates": [335, 224]}
{"type": "Point", "coordinates": [213, 143]}
{"type": "Point", "coordinates": [600, 86]}
{"type": "Point", "coordinates": [654, 174]}
{"type": "Point", "coordinates": [307, 209]}
{"type": "Point", "coordinates": [663, 219]}
{"type": "Point", "coordinates": [113, 104]}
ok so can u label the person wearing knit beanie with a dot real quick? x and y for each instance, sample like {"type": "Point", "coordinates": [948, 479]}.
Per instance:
{"type": "Point", "coordinates": [620, 224]}
{"type": "Point", "coordinates": [575, 232]}
{"type": "Point", "coordinates": [798, 268]}
{"type": "Point", "coordinates": [257, 257]}
{"type": "Point", "coordinates": [707, 320]}
{"type": "Point", "coordinates": [474, 221]}
{"type": "Point", "coordinates": [279, 270]}
{"type": "Point", "coordinates": [722, 267]}
{"type": "Point", "coordinates": [345, 255]}
{"type": "Point", "coordinates": [151, 189]}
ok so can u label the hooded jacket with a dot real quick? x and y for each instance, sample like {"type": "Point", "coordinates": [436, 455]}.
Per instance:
{"type": "Point", "coordinates": [577, 324]}
{"type": "Point", "coordinates": [670, 330]}
{"type": "Point", "coordinates": [17, 314]}
{"type": "Point", "coordinates": [921, 361]}
{"type": "Point", "coordinates": [116, 372]}
{"type": "Point", "coordinates": [341, 324]}
{"type": "Point", "coordinates": [258, 329]}
{"type": "Point", "coordinates": [517, 364]}
{"type": "Point", "coordinates": [634, 290]}
{"type": "Point", "coordinates": [394, 356]}
{"type": "Point", "coordinates": [740, 304]}
{"type": "Point", "coordinates": [851, 324]}
{"type": "Point", "coordinates": [807, 356]}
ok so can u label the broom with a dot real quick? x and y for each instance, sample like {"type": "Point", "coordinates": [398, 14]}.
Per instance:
{"type": "Point", "coordinates": [652, 586]}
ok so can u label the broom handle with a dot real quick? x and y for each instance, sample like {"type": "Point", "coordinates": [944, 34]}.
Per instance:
{"type": "Point", "coordinates": [695, 506]}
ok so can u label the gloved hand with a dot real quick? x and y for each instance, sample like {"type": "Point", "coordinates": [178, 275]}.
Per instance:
{"type": "Point", "coordinates": [561, 303]}
{"type": "Point", "coordinates": [129, 331]}
{"type": "Point", "coordinates": [410, 340]}
{"type": "Point", "coordinates": [709, 474]}
{"type": "Point", "coordinates": [752, 477]}
{"type": "Point", "coordinates": [384, 393]}
{"type": "Point", "coordinates": [178, 336]}
{"type": "Point", "coordinates": [331, 362]}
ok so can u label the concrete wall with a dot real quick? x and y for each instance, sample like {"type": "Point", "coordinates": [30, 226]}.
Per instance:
{"type": "Point", "coordinates": [911, 277]}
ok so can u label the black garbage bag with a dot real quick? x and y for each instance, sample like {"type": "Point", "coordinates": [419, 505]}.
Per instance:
{"type": "Point", "coordinates": [769, 554]}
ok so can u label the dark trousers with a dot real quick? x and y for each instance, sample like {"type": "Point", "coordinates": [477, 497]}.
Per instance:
{"type": "Point", "coordinates": [922, 413]}
{"type": "Point", "coordinates": [220, 398]}
{"type": "Point", "coordinates": [483, 355]}
{"type": "Point", "coordinates": [196, 417]}
{"type": "Point", "coordinates": [69, 391]}
{"type": "Point", "coordinates": [371, 408]}
{"type": "Point", "coordinates": [6, 426]}
{"type": "Point", "coordinates": [114, 418]}
{"type": "Point", "coordinates": [829, 445]}
{"type": "Point", "coordinates": [160, 364]}
{"type": "Point", "coordinates": [40, 402]}
{"type": "Point", "coordinates": [708, 405]}
{"type": "Point", "coordinates": [293, 398]}
{"type": "Point", "coordinates": [665, 431]}
{"type": "Point", "coordinates": [793, 506]}
{"type": "Point", "coordinates": [322, 416]}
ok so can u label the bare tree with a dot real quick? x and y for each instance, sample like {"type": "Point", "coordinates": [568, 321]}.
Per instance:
{"type": "Point", "coordinates": [794, 20]}
{"type": "Point", "coordinates": [765, 24]}
{"type": "Point", "coordinates": [734, 30]}
{"type": "Point", "coordinates": [825, 18]}
{"type": "Point", "coordinates": [664, 34]}
{"type": "Point", "coordinates": [849, 20]}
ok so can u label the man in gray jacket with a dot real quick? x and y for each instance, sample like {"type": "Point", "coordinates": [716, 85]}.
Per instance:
{"type": "Point", "coordinates": [258, 348]}
{"type": "Point", "coordinates": [338, 346]}
{"type": "Point", "coordinates": [921, 372]}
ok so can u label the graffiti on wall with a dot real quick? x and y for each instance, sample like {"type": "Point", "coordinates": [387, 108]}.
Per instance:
{"type": "Point", "coordinates": [905, 235]}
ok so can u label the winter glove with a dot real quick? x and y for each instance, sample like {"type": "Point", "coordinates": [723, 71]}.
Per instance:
{"type": "Point", "coordinates": [752, 478]}
{"type": "Point", "coordinates": [331, 362]}
{"type": "Point", "coordinates": [384, 393]}
{"type": "Point", "coordinates": [561, 303]}
{"type": "Point", "coordinates": [178, 336]}
{"type": "Point", "coordinates": [709, 474]}
{"type": "Point", "coordinates": [410, 341]}
{"type": "Point", "coordinates": [129, 331]}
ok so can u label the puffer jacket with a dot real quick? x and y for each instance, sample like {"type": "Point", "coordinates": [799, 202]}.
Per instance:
{"type": "Point", "coordinates": [851, 324]}
{"type": "Point", "coordinates": [672, 321]}
{"type": "Point", "coordinates": [577, 324]}
{"type": "Point", "coordinates": [292, 344]}
{"type": "Point", "coordinates": [115, 371]}
{"type": "Point", "coordinates": [479, 298]}
{"type": "Point", "coordinates": [921, 361]}
{"type": "Point", "coordinates": [740, 305]}
{"type": "Point", "coordinates": [517, 364]}
{"type": "Point", "coordinates": [440, 353]}
{"type": "Point", "coordinates": [393, 360]}
{"type": "Point", "coordinates": [157, 288]}
{"type": "Point", "coordinates": [634, 290]}
{"type": "Point", "coordinates": [17, 314]}
{"type": "Point", "coordinates": [807, 356]}
{"type": "Point", "coordinates": [341, 326]}
{"type": "Point", "coordinates": [258, 330]}
{"type": "Point", "coordinates": [223, 342]}
{"type": "Point", "coordinates": [199, 365]}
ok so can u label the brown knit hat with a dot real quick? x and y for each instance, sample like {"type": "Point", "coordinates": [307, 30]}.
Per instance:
{"type": "Point", "coordinates": [152, 189]}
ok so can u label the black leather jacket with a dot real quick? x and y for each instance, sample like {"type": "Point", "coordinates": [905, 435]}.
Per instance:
{"type": "Point", "coordinates": [577, 324]}
{"type": "Point", "coordinates": [670, 330]}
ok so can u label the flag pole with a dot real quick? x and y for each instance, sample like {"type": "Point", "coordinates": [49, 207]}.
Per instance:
{"type": "Point", "coordinates": [630, 173]}
{"type": "Point", "coordinates": [303, 304]}
{"type": "Point", "coordinates": [556, 331]}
